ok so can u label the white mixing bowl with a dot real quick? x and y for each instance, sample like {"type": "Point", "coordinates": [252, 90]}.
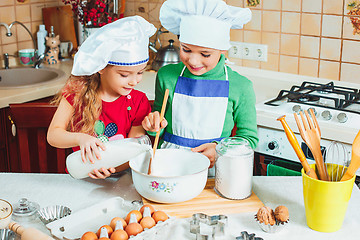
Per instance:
{"type": "Point", "coordinates": [177, 175]}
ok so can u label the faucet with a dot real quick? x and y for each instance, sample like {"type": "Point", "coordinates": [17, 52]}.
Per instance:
{"type": "Point", "coordinates": [6, 60]}
{"type": "Point", "coordinates": [8, 32]}
{"type": "Point", "coordinates": [37, 59]}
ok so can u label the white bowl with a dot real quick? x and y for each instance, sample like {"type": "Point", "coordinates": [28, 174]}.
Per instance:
{"type": "Point", "coordinates": [177, 175]}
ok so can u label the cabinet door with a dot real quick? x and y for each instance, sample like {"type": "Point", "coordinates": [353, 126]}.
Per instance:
{"type": "Point", "coordinates": [4, 165]}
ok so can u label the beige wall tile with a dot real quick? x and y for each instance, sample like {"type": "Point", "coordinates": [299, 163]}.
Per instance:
{"type": "Point", "coordinates": [271, 21]}
{"type": "Point", "coordinates": [236, 61]}
{"type": "Point", "coordinates": [36, 12]}
{"type": "Point", "coordinates": [272, 40]}
{"type": "Point", "coordinates": [139, 6]}
{"type": "Point", "coordinates": [291, 5]}
{"type": "Point", "coordinates": [23, 13]}
{"type": "Point", "coordinates": [311, 6]}
{"type": "Point", "coordinates": [308, 67]}
{"type": "Point", "coordinates": [333, 6]}
{"type": "Point", "coordinates": [10, 48]}
{"type": "Point", "coordinates": [290, 22]}
{"type": "Point", "coordinates": [309, 46]}
{"type": "Point", "coordinates": [37, 1]}
{"type": "Point", "coordinates": [129, 9]}
{"type": "Point", "coordinates": [25, 45]}
{"type": "Point", "coordinates": [237, 35]}
{"type": "Point", "coordinates": [350, 73]}
{"type": "Point", "coordinates": [331, 26]}
{"type": "Point", "coordinates": [154, 9]}
{"type": "Point", "coordinates": [289, 44]}
{"type": "Point", "coordinates": [23, 35]}
{"type": "Point", "coordinates": [6, 2]}
{"type": "Point", "coordinates": [289, 64]}
{"type": "Point", "coordinates": [252, 36]}
{"type": "Point", "coordinates": [330, 49]}
{"type": "Point", "coordinates": [310, 24]}
{"type": "Point", "coordinates": [7, 14]}
{"type": "Point", "coordinates": [250, 63]}
{"type": "Point", "coordinates": [351, 51]}
{"type": "Point", "coordinates": [273, 4]}
{"type": "Point", "coordinates": [236, 3]}
{"type": "Point", "coordinates": [255, 23]}
{"type": "Point", "coordinates": [272, 63]}
{"type": "Point", "coordinates": [329, 70]}
{"type": "Point", "coordinates": [348, 30]}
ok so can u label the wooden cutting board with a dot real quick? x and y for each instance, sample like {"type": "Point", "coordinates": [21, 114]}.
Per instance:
{"type": "Point", "coordinates": [62, 19]}
{"type": "Point", "coordinates": [208, 202]}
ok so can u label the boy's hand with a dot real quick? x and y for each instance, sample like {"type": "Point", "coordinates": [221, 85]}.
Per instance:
{"type": "Point", "coordinates": [152, 122]}
{"type": "Point", "coordinates": [208, 149]}
{"type": "Point", "coordinates": [89, 145]}
{"type": "Point", "coordinates": [101, 173]}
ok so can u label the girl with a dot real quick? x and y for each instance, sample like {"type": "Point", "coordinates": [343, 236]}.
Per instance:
{"type": "Point", "coordinates": [98, 102]}
{"type": "Point", "coordinates": [206, 97]}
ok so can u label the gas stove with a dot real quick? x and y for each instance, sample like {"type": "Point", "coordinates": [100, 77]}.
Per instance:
{"type": "Point", "coordinates": [337, 109]}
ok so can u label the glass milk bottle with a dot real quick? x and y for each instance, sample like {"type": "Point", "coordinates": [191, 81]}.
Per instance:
{"type": "Point", "coordinates": [117, 153]}
{"type": "Point", "coordinates": [234, 168]}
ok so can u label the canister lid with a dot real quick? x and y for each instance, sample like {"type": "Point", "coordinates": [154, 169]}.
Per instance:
{"type": "Point", "coordinates": [234, 146]}
{"type": "Point", "coordinates": [25, 209]}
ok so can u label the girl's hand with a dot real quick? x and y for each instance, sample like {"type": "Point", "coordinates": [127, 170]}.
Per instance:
{"type": "Point", "coordinates": [101, 173]}
{"type": "Point", "coordinates": [152, 122]}
{"type": "Point", "coordinates": [208, 149]}
{"type": "Point", "coordinates": [89, 145]}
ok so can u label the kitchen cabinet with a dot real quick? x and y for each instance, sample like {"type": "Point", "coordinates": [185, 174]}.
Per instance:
{"type": "Point", "coordinates": [12, 155]}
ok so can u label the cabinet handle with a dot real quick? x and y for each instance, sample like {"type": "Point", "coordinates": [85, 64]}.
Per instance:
{"type": "Point", "coordinates": [13, 127]}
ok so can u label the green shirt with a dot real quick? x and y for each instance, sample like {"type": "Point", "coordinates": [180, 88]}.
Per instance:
{"type": "Point", "coordinates": [241, 103]}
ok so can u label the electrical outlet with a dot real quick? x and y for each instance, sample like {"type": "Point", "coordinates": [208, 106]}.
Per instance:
{"type": "Point", "coordinates": [250, 51]}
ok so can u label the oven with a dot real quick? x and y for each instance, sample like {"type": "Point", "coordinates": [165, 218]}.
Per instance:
{"type": "Point", "coordinates": [337, 109]}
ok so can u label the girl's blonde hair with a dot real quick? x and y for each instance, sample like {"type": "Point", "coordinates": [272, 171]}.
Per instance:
{"type": "Point", "coordinates": [87, 102]}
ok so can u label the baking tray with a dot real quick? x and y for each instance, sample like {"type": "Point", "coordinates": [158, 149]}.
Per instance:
{"type": "Point", "coordinates": [72, 227]}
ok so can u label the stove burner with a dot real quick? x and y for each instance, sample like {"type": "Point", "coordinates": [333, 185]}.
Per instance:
{"type": "Point", "coordinates": [293, 97]}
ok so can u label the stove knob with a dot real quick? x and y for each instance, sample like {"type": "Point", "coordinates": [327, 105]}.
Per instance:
{"type": "Point", "coordinates": [313, 110]}
{"type": "Point", "coordinates": [326, 115]}
{"type": "Point", "coordinates": [296, 108]}
{"type": "Point", "coordinates": [342, 117]}
{"type": "Point", "coordinates": [273, 145]}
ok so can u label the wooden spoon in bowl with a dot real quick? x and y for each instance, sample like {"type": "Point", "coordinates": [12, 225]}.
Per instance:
{"type": "Point", "coordinates": [355, 159]}
{"type": "Point", "coordinates": [156, 141]}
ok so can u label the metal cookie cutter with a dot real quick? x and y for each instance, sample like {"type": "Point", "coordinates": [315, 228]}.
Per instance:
{"type": "Point", "coordinates": [246, 236]}
{"type": "Point", "coordinates": [217, 224]}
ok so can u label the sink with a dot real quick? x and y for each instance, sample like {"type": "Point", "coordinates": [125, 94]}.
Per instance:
{"type": "Point", "coordinates": [28, 77]}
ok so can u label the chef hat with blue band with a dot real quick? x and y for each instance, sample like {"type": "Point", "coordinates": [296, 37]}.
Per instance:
{"type": "Point", "coordinates": [123, 42]}
{"type": "Point", "coordinates": [204, 23]}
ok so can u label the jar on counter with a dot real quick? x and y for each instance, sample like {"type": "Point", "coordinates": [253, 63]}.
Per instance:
{"type": "Point", "coordinates": [234, 168]}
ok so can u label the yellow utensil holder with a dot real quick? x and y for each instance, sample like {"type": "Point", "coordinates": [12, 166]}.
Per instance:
{"type": "Point", "coordinates": [326, 202]}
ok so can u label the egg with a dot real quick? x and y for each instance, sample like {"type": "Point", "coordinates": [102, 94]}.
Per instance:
{"type": "Point", "coordinates": [152, 209]}
{"type": "Point", "coordinates": [89, 236]}
{"type": "Point", "coordinates": [137, 213]}
{"type": "Point", "coordinates": [108, 229]}
{"type": "Point", "coordinates": [119, 235]}
{"type": "Point", "coordinates": [114, 220]}
{"type": "Point", "coordinates": [159, 216]}
{"type": "Point", "coordinates": [132, 229]}
{"type": "Point", "coordinates": [147, 222]}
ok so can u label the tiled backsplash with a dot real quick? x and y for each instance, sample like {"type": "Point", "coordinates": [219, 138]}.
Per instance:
{"type": "Point", "coordinates": [307, 37]}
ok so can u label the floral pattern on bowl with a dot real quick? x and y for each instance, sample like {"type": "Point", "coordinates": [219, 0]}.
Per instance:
{"type": "Point", "coordinates": [162, 187]}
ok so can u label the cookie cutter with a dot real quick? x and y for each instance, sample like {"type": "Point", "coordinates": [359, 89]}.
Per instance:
{"type": "Point", "coordinates": [246, 236]}
{"type": "Point", "coordinates": [217, 224]}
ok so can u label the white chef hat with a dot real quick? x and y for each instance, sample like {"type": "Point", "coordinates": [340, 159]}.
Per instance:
{"type": "Point", "coordinates": [123, 42]}
{"type": "Point", "coordinates": [203, 23]}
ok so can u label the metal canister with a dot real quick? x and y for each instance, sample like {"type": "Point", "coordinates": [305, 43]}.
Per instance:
{"type": "Point", "coordinates": [234, 168]}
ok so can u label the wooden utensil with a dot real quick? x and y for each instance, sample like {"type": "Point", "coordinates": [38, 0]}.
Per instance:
{"type": "Point", "coordinates": [156, 141]}
{"type": "Point", "coordinates": [311, 134]}
{"type": "Point", "coordinates": [28, 233]}
{"type": "Point", "coordinates": [295, 144]}
{"type": "Point", "coordinates": [355, 159]}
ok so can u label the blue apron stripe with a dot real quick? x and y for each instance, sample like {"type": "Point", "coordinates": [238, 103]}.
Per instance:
{"type": "Point", "coordinates": [202, 87]}
{"type": "Point", "coordinates": [186, 142]}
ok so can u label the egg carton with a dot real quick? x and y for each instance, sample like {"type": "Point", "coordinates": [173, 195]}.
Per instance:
{"type": "Point", "coordinates": [72, 227]}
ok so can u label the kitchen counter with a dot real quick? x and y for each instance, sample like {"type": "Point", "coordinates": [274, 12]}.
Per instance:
{"type": "Point", "coordinates": [52, 189]}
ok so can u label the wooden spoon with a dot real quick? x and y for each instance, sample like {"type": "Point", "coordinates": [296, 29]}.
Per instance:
{"type": "Point", "coordinates": [355, 159]}
{"type": "Point", "coordinates": [295, 144]}
{"type": "Point", "coordinates": [158, 132]}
